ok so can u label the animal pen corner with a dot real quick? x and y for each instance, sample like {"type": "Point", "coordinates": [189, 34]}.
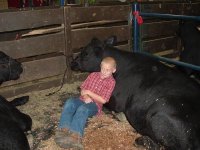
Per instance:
{"type": "Point", "coordinates": [171, 17]}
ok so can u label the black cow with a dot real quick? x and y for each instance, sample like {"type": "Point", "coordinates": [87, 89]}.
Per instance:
{"type": "Point", "coordinates": [161, 103]}
{"type": "Point", "coordinates": [13, 123]}
{"type": "Point", "coordinates": [190, 37]}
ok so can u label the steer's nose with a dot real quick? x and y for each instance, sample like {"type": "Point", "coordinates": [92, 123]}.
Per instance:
{"type": "Point", "coordinates": [74, 65]}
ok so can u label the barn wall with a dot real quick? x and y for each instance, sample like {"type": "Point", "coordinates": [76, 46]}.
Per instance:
{"type": "Point", "coordinates": [44, 40]}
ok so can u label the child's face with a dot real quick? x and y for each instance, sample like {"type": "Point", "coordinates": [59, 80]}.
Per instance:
{"type": "Point", "coordinates": [107, 70]}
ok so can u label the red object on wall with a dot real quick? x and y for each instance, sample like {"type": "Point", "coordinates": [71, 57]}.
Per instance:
{"type": "Point", "coordinates": [138, 17]}
{"type": "Point", "coordinates": [37, 3]}
{"type": "Point", "coordinates": [25, 3]}
{"type": "Point", "coordinates": [17, 3]}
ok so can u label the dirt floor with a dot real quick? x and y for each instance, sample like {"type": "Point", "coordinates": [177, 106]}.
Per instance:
{"type": "Point", "coordinates": [102, 133]}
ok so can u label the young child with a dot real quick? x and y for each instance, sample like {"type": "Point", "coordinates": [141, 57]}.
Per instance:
{"type": "Point", "coordinates": [95, 91]}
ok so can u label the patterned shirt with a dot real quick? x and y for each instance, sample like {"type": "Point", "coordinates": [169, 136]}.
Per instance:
{"type": "Point", "coordinates": [102, 87]}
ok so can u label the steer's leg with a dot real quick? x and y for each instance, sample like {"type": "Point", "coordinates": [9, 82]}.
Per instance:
{"type": "Point", "coordinates": [147, 142]}
{"type": "Point", "coordinates": [137, 120]}
{"type": "Point", "coordinates": [20, 101]}
{"type": "Point", "coordinates": [163, 125]}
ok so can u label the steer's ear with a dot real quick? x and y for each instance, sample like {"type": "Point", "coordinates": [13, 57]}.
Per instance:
{"type": "Point", "coordinates": [95, 41]}
{"type": "Point", "coordinates": [111, 41]}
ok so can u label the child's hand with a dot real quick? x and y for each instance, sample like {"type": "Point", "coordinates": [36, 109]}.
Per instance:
{"type": "Point", "coordinates": [86, 96]}
{"type": "Point", "coordinates": [85, 92]}
{"type": "Point", "coordinates": [87, 99]}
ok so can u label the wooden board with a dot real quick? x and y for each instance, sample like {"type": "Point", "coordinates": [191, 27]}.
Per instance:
{"type": "Point", "coordinates": [125, 47]}
{"type": "Point", "coordinates": [170, 8]}
{"type": "Point", "coordinates": [168, 53]}
{"type": "Point", "coordinates": [36, 45]}
{"type": "Point", "coordinates": [98, 13]}
{"type": "Point", "coordinates": [36, 85]}
{"type": "Point", "coordinates": [39, 69]}
{"type": "Point", "coordinates": [81, 37]}
{"type": "Point", "coordinates": [19, 20]}
{"type": "Point", "coordinates": [159, 29]}
{"type": "Point", "coordinates": [68, 39]}
{"type": "Point", "coordinates": [158, 45]}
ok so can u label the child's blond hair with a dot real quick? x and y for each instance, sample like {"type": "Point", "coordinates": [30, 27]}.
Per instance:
{"type": "Point", "coordinates": [110, 60]}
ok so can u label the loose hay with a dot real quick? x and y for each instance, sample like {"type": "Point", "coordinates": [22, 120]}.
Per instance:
{"type": "Point", "coordinates": [102, 132]}
{"type": "Point", "coordinates": [105, 132]}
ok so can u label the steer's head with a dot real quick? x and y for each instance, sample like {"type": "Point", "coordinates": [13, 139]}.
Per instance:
{"type": "Point", "coordinates": [10, 69]}
{"type": "Point", "coordinates": [90, 56]}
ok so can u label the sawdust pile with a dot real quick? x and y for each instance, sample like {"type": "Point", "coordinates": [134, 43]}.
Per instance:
{"type": "Point", "coordinates": [105, 132]}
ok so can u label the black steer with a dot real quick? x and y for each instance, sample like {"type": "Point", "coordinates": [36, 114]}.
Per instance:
{"type": "Point", "coordinates": [190, 37]}
{"type": "Point", "coordinates": [159, 102]}
{"type": "Point", "coordinates": [10, 69]}
{"type": "Point", "coordinates": [13, 123]}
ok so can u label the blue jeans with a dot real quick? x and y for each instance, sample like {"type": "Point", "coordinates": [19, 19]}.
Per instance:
{"type": "Point", "coordinates": [75, 114]}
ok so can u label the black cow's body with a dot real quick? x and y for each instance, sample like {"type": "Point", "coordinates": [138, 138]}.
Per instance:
{"type": "Point", "coordinates": [159, 102]}
{"type": "Point", "coordinates": [13, 123]}
{"type": "Point", "coordinates": [190, 36]}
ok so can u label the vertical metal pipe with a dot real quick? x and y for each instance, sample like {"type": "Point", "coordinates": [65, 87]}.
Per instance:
{"type": "Point", "coordinates": [62, 2]}
{"type": "Point", "coordinates": [135, 28]}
